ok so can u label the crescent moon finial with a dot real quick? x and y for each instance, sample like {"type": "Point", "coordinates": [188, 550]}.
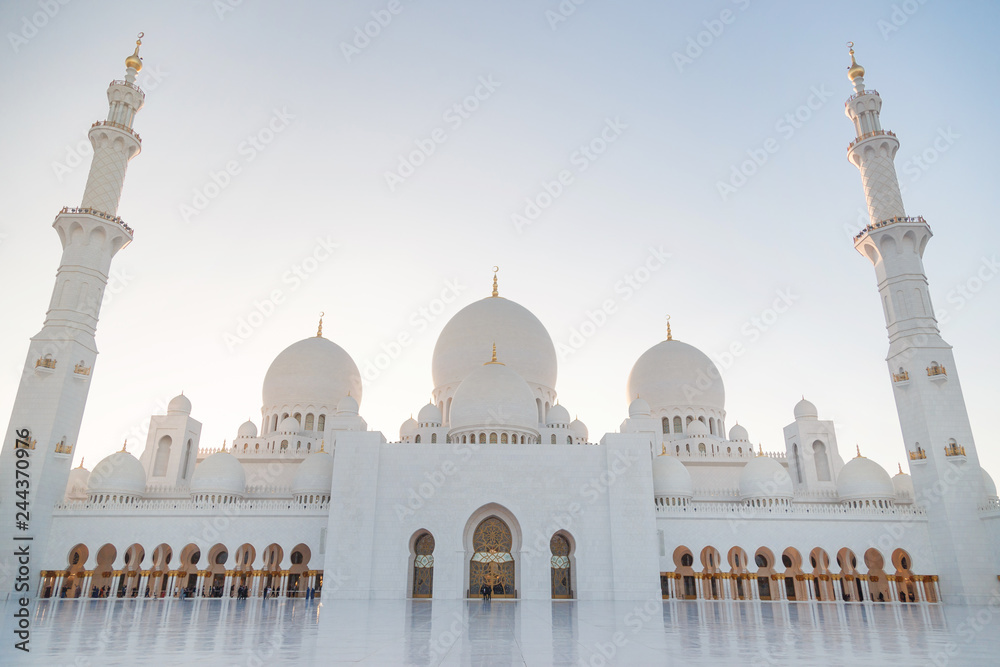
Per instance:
{"type": "Point", "coordinates": [496, 269]}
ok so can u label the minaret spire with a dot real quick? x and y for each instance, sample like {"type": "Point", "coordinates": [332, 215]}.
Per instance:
{"type": "Point", "coordinates": [59, 367]}
{"type": "Point", "coordinates": [495, 270]}
{"type": "Point", "coordinates": [933, 418]}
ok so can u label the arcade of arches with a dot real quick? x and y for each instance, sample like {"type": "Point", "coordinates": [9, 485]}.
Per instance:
{"type": "Point", "coordinates": [165, 572]}
{"type": "Point", "coordinates": [764, 577]}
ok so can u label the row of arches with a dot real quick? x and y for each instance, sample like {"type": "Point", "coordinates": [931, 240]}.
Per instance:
{"type": "Point", "coordinates": [820, 460]}
{"type": "Point", "coordinates": [185, 573]}
{"type": "Point", "coordinates": [312, 421]}
{"type": "Point", "coordinates": [679, 425]}
{"type": "Point", "coordinates": [789, 578]}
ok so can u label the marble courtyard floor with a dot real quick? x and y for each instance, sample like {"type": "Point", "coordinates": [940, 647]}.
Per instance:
{"type": "Point", "coordinates": [455, 632]}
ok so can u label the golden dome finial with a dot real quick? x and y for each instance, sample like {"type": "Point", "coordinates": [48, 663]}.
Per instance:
{"type": "Point", "coordinates": [899, 464]}
{"type": "Point", "coordinates": [495, 292]}
{"type": "Point", "coordinates": [855, 70]}
{"type": "Point", "coordinates": [760, 449]}
{"type": "Point", "coordinates": [319, 330]}
{"type": "Point", "coordinates": [124, 444]}
{"type": "Point", "coordinates": [858, 449]}
{"type": "Point", "coordinates": [134, 61]}
{"type": "Point", "coordinates": [321, 445]}
{"type": "Point", "coordinates": [494, 359]}
{"type": "Point", "coordinates": [81, 463]}
{"type": "Point", "coordinates": [670, 335]}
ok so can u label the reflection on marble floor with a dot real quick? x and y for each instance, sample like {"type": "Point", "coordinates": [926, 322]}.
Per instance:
{"type": "Point", "coordinates": [427, 632]}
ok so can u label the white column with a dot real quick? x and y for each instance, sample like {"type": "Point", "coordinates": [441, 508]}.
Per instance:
{"type": "Point", "coordinates": [255, 584]}
{"type": "Point", "coordinates": [87, 583]}
{"type": "Point", "coordinates": [143, 583]}
{"type": "Point", "coordinates": [226, 584]}
{"type": "Point", "coordinates": [115, 579]}
{"type": "Point", "coordinates": [57, 586]}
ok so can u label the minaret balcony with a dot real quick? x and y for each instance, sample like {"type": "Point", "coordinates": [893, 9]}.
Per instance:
{"type": "Point", "coordinates": [937, 373]}
{"type": "Point", "coordinates": [849, 99]}
{"type": "Point", "coordinates": [124, 128]}
{"type": "Point", "coordinates": [123, 82]}
{"type": "Point", "coordinates": [100, 214]}
{"type": "Point", "coordinates": [63, 448]}
{"type": "Point", "coordinates": [901, 379]}
{"type": "Point", "coordinates": [890, 221]}
{"type": "Point", "coordinates": [954, 450]}
{"type": "Point", "coordinates": [919, 456]}
{"type": "Point", "coordinates": [45, 365]}
{"type": "Point", "coordinates": [81, 372]}
{"type": "Point", "coordinates": [869, 135]}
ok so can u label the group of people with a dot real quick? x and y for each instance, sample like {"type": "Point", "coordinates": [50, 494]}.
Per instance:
{"type": "Point", "coordinates": [102, 592]}
{"type": "Point", "coordinates": [486, 591]}
{"type": "Point", "coordinates": [242, 592]}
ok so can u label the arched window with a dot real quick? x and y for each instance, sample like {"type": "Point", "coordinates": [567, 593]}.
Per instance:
{"type": "Point", "coordinates": [492, 564]}
{"type": "Point", "coordinates": [493, 438]}
{"type": "Point", "coordinates": [666, 424]}
{"type": "Point", "coordinates": [553, 438]}
{"type": "Point", "coordinates": [678, 425]}
{"type": "Point", "coordinates": [503, 438]}
{"type": "Point", "coordinates": [284, 445]}
{"type": "Point", "coordinates": [711, 426]}
{"type": "Point", "coordinates": [434, 438]}
{"type": "Point", "coordinates": [162, 457]}
{"type": "Point", "coordinates": [569, 440]}
{"type": "Point", "coordinates": [321, 425]}
{"type": "Point", "coordinates": [309, 421]}
{"type": "Point", "coordinates": [701, 448]}
{"type": "Point", "coordinates": [188, 462]}
{"type": "Point", "coordinates": [798, 462]}
{"type": "Point", "coordinates": [482, 438]}
{"type": "Point", "coordinates": [417, 439]}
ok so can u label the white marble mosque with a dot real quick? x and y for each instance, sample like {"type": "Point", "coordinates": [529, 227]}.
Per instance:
{"type": "Point", "coordinates": [677, 505]}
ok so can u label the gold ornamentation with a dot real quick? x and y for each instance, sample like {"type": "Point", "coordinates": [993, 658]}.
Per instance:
{"type": "Point", "coordinates": [45, 362]}
{"type": "Point", "coordinates": [319, 331]}
{"type": "Point", "coordinates": [134, 61]}
{"type": "Point", "coordinates": [670, 336]}
{"type": "Point", "coordinates": [936, 370]}
{"type": "Point", "coordinates": [954, 450]}
{"type": "Point", "coordinates": [496, 269]}
{"type": "Point", "coordinates": [918, 455]}
{"type": "Point", "coordinates": [494, 359]}
{"type": "Point", "coordinates": [63, 448]}
{"type": "Point", "coordinates": [80, 369]}
{"type": "Point", "coordinates": [901, 377]}
{"type": "Point", "coordinates": [855, 70]}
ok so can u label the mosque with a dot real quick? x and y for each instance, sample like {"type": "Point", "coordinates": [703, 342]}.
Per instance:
{"type": "Point", "coordinates": [677, 504]}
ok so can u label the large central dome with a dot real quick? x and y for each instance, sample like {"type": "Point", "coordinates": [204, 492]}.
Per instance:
{"type": "Point", "coordinates": [524, 343]}
{"type": "Point", "coordinates": [313, 371]}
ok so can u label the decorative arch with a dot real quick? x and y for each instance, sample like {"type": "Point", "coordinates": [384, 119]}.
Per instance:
{"type": "Point", "coordinates": [684, 573]}
{"type": "Point", "coordinates": [822, 462]}
{"type": "Point", "coordinates": [422, 564]}
{"type": "Point", "coordinates": [711, 569]}
{"type": "Point", "coordinates": [850, 583]}
{"type": "Point", "coordinates": [563, 548]}
{"type": "Point", "coordinates": [298, 579]}
{"type": "Point", "coordinates": [162, 555]}
{"type": "Point", "coordinates": [794, 578]}
{"type": "Point", "coordinates": [504, 537]}
{"type": "Point", "coordinates": [878, 581]}
{"type": "Point", "coordinates": [738, 571]}
{"type": "Point", "coordinates": [819, 559]}
{"type": "Point", "coordinates": [162, 456]}
{"type": "Point", "coordinates": [764, 559]}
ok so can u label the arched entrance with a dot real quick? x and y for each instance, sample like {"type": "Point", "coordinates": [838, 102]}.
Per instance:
{"type": "Point", "coordinates": [492, 563]}
{"type": "Point", "coordinates": [423, 566]}
{"type": "Point", "coordinates": [562, 584]}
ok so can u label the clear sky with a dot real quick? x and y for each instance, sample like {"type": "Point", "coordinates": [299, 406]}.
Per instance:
{"type": "Point", "coordinates": [687, 92]}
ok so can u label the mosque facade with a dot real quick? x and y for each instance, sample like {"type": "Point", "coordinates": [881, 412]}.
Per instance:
{"type": "Point", "coordinates": [493, 484]}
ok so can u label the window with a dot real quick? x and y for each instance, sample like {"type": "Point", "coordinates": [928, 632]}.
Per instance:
{"type": "Point", "coordinates": [309, 421]}
{"type": "Point", "coordinates": [666, 425]}
{"type": "Point", "coordinates": [678, 427]}
{"type": "Point", "coordinates": [321, 426]}
{"type": "Point", "coordinates": [553, 438]}
{"type": "Point", "coordinates": [417, 439]}
{"type": "Point", "coordinates": [434, 437]}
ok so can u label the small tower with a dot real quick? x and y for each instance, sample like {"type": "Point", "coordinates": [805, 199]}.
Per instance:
{"type": "Point", "coordinates": [60, 362]}
{"type": "Point", "coordinates": [172, 445]}
{"type": "Point", "coordinates": [935, 426]}
{"type": "Point", "coordinates": [814, 460]}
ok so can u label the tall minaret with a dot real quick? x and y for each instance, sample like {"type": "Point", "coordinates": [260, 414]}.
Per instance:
{"type": "Point", "coordinates": [55, 381]}
{"type": "Point", "coordinates": [935, 425]}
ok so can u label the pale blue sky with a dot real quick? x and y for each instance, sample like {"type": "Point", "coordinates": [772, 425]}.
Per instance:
{"type": "Point", "coordinates": [213, 78]}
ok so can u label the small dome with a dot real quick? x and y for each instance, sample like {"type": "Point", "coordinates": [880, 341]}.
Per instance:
{"type": "Point", "coordinates": [697, 427]}
{"type": "Point", "coordinates": [670, 478]}
{"type": "Point", "coordinates": [288, 425]}
{"type": "Point", "coordinates": [408, 429]}
{"type": "Point", "coordinates": [739, 434]}
{"type": "Point", "coordinates": [558, 415]}
{"type": "Point", "coordinates": [902, 484]}
{"type": "Point", "coordinates": [134, 61]}
{"type": "Point", "coordinates": [247, 430]}
{"type": "Point", "coordinates": [119, 473]}
{"type": "Point", "coordinates": [988, 485]}
{"type": "Point", "coordinates": [315, 474]}
{"type": "Point", "coordinates": [494, 396]}
{"type": "Point", "coordinates": [863, 479]}
{"type": "Point", "coordinates": [805, 410]}
{"type": "Point", "coordinates": [764, 477]}
{"type": "Point", "coordinates": [76, 485]}
{"type": "Point", "coordinates": [429, 414]}
{"type": "Point", "coordinates": [179, 405]}
{"type": "Point", "coordinates": [219, 473]}
{"type": "Point", "coordinates": [313, 371]}
{"type": "Point", "coordinates": [347, 406]}
{"type": "Point", "coordinates": [579, 429]}
{"type": "Point", "coordinates": [638, 408]}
